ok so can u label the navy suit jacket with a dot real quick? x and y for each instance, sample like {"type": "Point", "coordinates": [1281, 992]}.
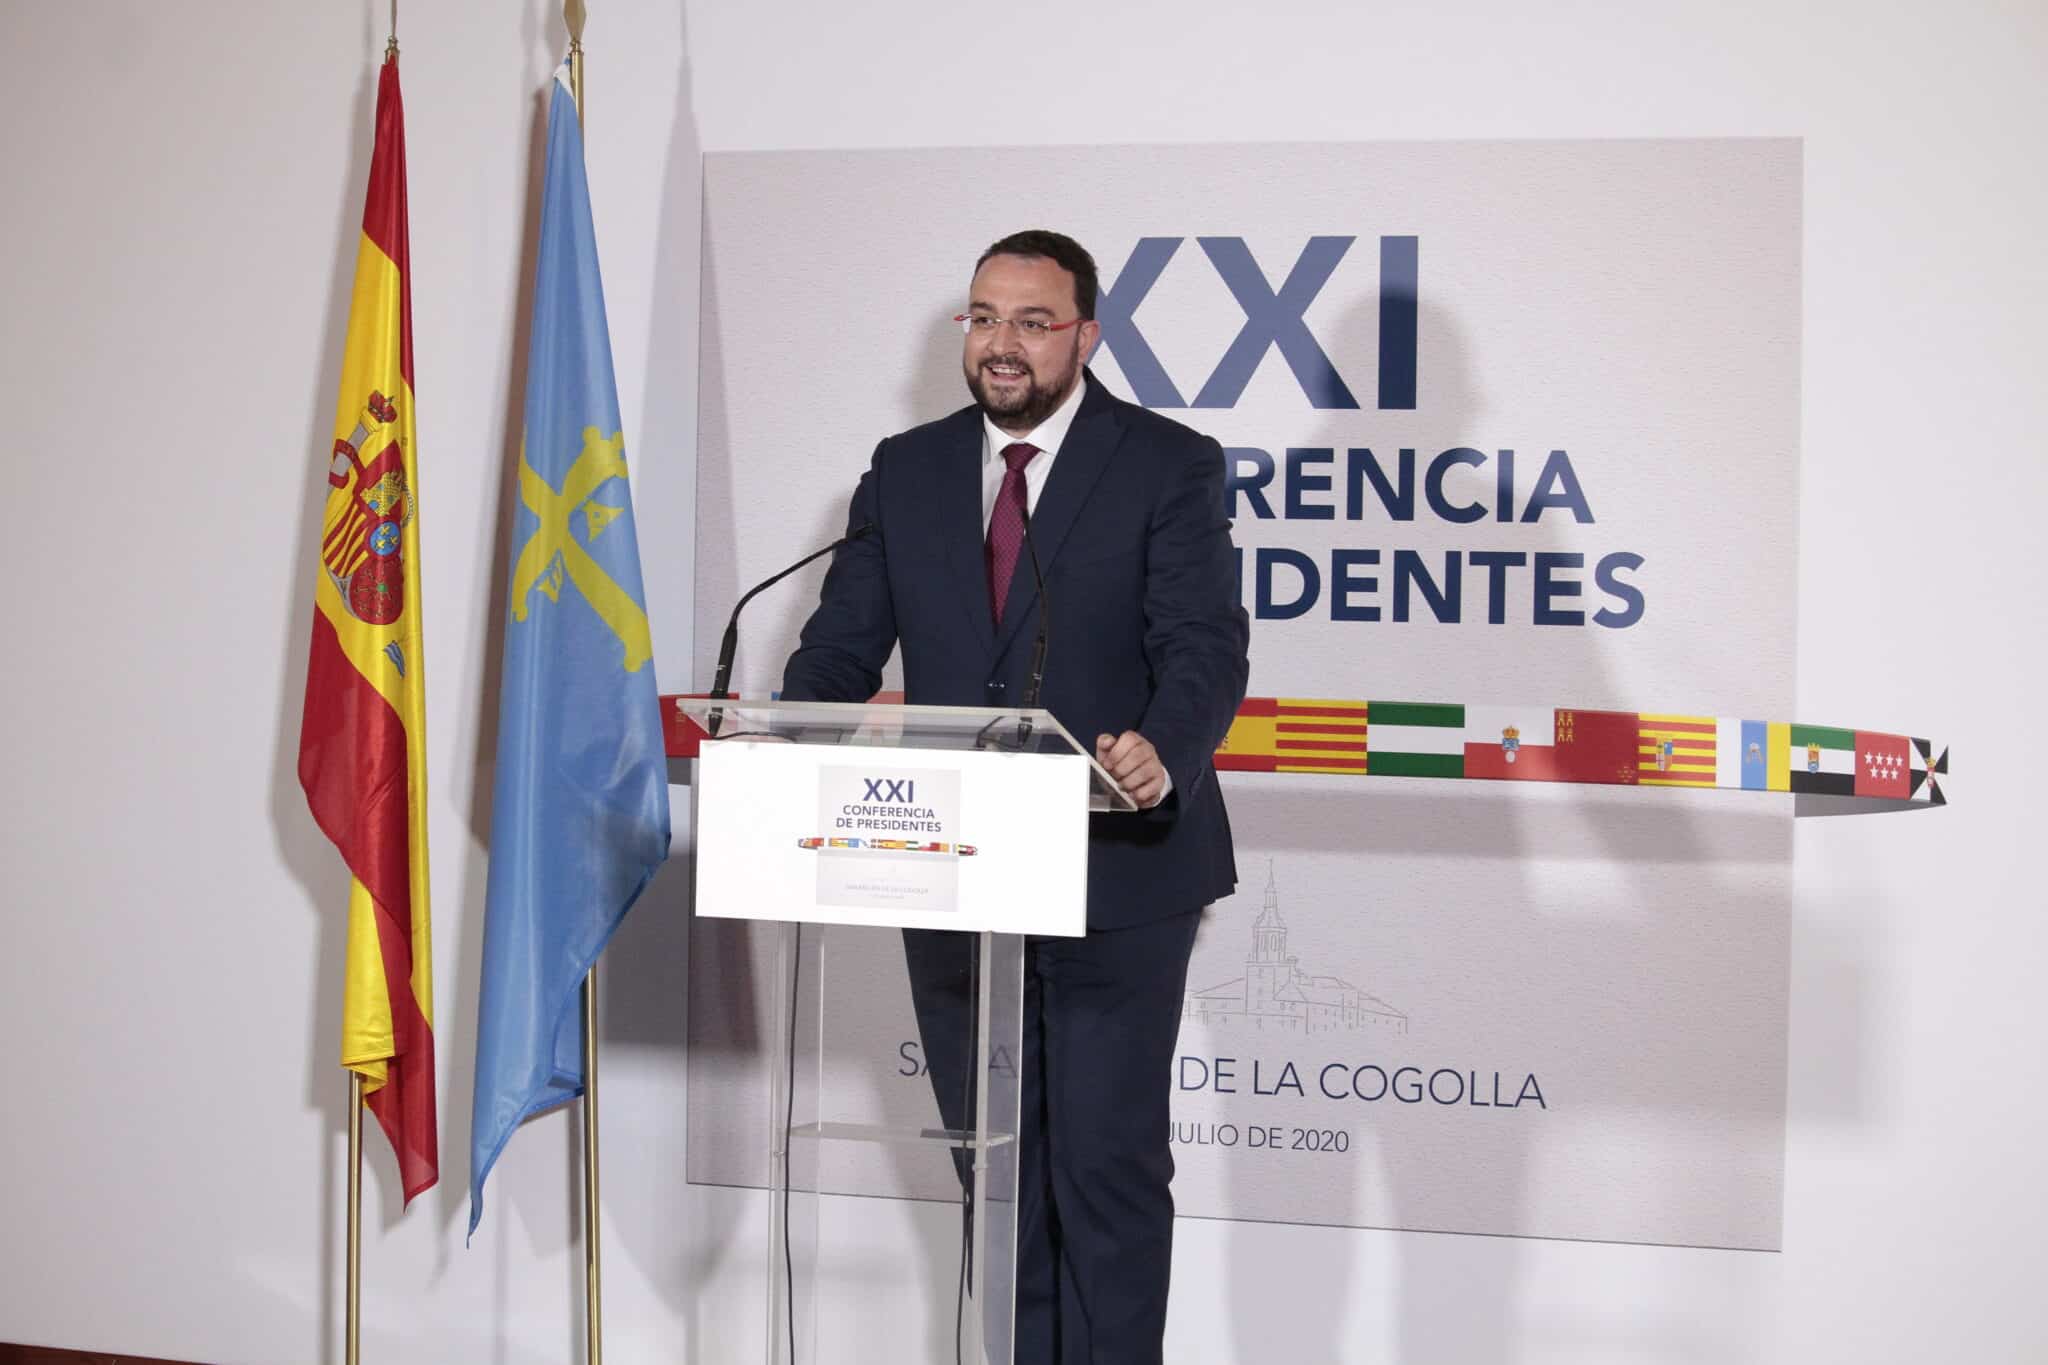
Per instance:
{"type": "Point", "coordinates": [1146, 631]}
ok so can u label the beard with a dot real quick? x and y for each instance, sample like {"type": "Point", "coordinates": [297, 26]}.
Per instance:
{"type": "Point", "coordinates": [1028, 403]}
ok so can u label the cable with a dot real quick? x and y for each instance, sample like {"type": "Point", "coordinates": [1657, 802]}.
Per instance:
{"type": "Point", "coordinates": [796, 969]}
{"type": "Point", "coordinates": [960, 1294]}
{"type": "Point", "coordinates": [966, 1107]}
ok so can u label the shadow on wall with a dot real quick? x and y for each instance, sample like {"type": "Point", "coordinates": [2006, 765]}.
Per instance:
{"type": "Point", "coordinates": [513, 1217]}
{"type": "Point", "coordinates": [644, 999]}
{"type": "Point", "coordinates": [509, 1217]}
{"type": "Point", "coordinates": [1479, 1332]}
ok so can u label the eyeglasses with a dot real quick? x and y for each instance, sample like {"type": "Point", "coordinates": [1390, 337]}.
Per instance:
{"type": "Point", "coordinates": [1031, 329]}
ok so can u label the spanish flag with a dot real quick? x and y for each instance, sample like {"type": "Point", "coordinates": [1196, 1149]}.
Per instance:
{"type": "Point", "coordinates": [362, 744]}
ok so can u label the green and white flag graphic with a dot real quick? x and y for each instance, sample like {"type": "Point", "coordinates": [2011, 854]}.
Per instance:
{"type": "Point", "coordinates": [1414, 739]}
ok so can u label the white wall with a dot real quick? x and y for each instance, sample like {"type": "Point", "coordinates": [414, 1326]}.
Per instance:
{"type": "Point", "coordinates": [183, 199]}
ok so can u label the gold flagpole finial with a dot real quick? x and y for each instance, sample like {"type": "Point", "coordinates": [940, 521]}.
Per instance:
{"type": "Point", "coordinates": [391, 47]}
{"type": "Point", "coordinates": [573, 15]}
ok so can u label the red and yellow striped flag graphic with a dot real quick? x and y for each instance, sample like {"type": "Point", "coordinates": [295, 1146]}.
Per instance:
{"type": "Point", "coordinates": [1295, 735]}
{"type": "Point", "coordinates": [1675, 751]}
{"type": "Point", "coordinates": [362, 744]}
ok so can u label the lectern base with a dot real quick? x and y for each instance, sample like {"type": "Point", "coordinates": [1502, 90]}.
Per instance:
{"type": "Point", "coordinates": [822, 1101]}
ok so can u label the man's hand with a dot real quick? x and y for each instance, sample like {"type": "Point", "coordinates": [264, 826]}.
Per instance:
{"type": "Point", "coordinates": [1134, 763]}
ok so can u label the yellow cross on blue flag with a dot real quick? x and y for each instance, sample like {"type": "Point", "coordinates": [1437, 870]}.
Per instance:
{"type": "Point", "coordinates": [579, 819]}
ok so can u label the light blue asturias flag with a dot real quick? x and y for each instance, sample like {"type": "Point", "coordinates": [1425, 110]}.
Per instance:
{"type": "Point", "coordinates": [580, 819]}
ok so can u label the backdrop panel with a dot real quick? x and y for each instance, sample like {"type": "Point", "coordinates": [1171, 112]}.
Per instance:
{"type": "Point", "coordinates": [1506, 422]}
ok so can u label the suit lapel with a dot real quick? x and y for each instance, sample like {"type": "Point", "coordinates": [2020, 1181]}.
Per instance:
{"type": "Point", "coordinates": [958, 494]}
{"type": "Point", "coordinates": [1075, 472]}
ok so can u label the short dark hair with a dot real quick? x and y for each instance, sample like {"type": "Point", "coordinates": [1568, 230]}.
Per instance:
{"type": "Point", "coordinates": [1063, 251]}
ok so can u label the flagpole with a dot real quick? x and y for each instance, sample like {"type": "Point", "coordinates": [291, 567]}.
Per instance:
{"type": "Point", "coordinates": [593, 1274]}
{"type": "Point", "coordinates": [352, 1309]}
{"type": "Point", "coordinates": [573, 16]}
{"type": "Point", "coordinates": [352, 1316]}
{"type": "Point", "coordinates": [593, 1269]}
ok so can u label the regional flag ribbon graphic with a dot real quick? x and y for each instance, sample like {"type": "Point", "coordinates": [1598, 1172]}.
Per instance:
{"type": "Point", "coordinates": [362, 742]}
{"type": "Point", "coordinates": [580, 818]}
{"type": "Point", "coordinates": [1572, 744]}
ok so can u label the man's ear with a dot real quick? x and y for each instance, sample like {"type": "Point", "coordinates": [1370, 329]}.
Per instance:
{"type": "Point", "coordinates": [1091, 333]}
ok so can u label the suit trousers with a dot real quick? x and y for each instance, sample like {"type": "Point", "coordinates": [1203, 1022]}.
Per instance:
{"type": "Point", "coordinates": [1094, 1208]}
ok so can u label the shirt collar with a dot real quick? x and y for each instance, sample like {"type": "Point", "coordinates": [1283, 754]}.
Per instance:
{"type": "Point", "coordinates": [1048, 435]}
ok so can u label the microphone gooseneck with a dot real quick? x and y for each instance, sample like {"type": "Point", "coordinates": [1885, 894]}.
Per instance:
{"type": "Point", "coordinates": [1037, 678]}
{"type": "Point", "coordinates": [729, 645]}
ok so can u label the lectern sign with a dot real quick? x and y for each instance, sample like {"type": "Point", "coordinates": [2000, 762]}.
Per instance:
{"type": "Point", "coordinates": [890, 839]}
{"type": "Point", "coordinates": [821, 813]}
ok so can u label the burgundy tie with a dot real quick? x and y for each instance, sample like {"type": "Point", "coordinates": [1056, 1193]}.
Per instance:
{"type": "Point", "coordinates": [1006, 527]}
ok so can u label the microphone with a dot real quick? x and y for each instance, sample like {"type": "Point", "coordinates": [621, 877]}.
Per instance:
{"type": "Point", "coordinates": [731, 643]}
{"type": "Point", "coordinates": [1037, 679]}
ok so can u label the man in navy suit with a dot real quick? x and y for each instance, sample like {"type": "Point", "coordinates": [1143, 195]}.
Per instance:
{"type": "Point", "coordinates": [1147, 656]}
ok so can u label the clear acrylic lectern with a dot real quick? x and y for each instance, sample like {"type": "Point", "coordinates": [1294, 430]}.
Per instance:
{"type": "Point", "coordinates": [846, 821]}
